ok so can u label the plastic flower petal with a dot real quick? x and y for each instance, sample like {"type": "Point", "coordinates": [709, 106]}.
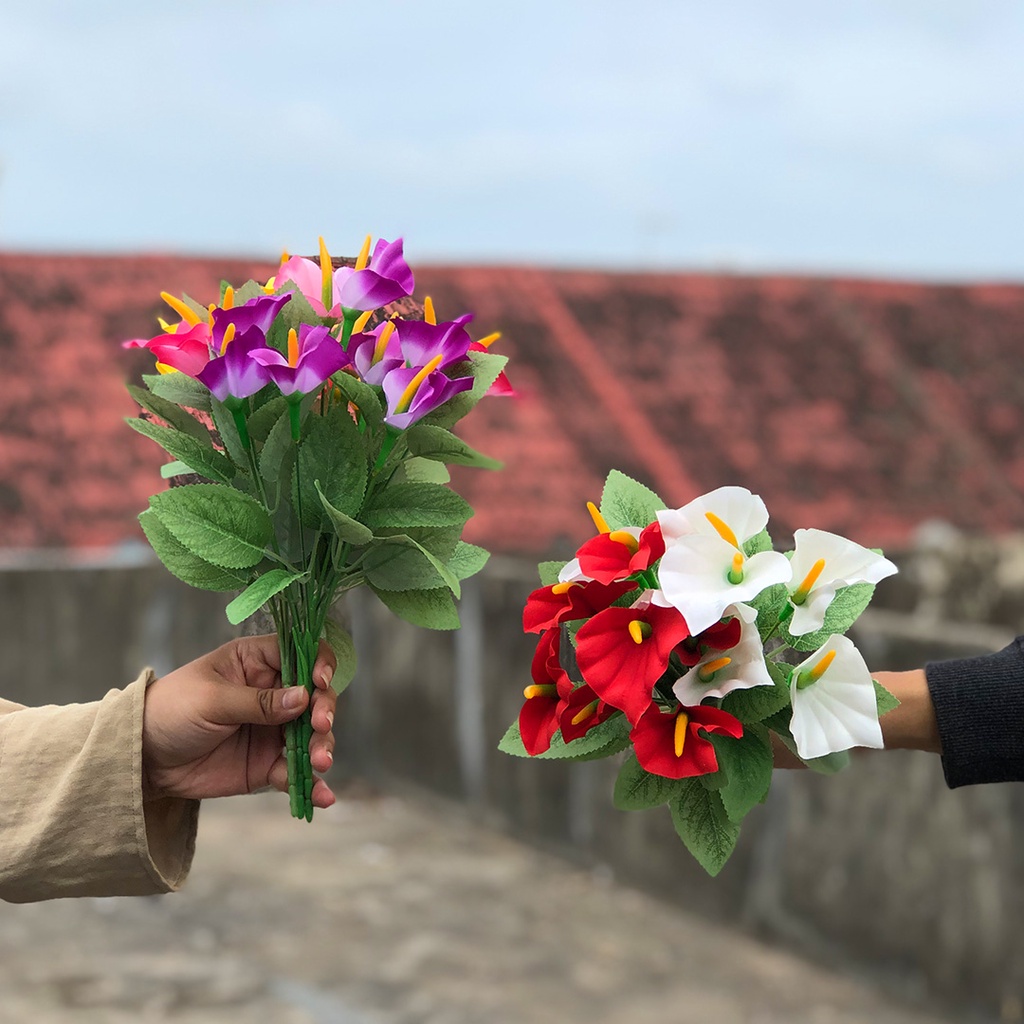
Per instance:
{"type": "Point", "coordinates": [823, 563]}
{"type": "Point", "coordinates": [720, 672]}
{"type": "Point", "coordinates": [623, 652]}
{"type": "Point", "coordinates": [833, 698]}
{"type": "Point", "coordinates": [744, 513]}
{"type": "Point", "coordinates": [582, 710]}
{"type": "Point", "coordinates": [545, 698]}
{"type": "Point", "coordinates": [719, 637]}
{"type": "Point", "coordinates": [620, 553]}
{"type": "Point", "coordinates": [421, 341]}
{"type": "Point", "coordinates": [306, 277]}
{"type": "Point", "coordinates": [313, 355]}
{"type": "Point", "coordinates": [258, 313]}
{"type": "Point", "coordinates": [187, 348]}
{"type": "Point", "coordinates": [412, 393]}
{"type": "Point", "coordinates": [236, 374]}
{"type": "Point", "coordinates": [549, 606]}
{"type": "Point", "coordinates": [670, 743]}
{"type": "Point", "coordinates": [377, 353]}
{"type": "Point", "coordinates": [386, 277]}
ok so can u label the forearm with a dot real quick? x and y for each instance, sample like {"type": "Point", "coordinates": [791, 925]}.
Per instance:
{"type": "Point", "coordinates": [912, 725]}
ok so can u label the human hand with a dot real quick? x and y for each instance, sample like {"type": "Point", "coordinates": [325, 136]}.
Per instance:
{"type": "Point", "coordinates": [213, 727]}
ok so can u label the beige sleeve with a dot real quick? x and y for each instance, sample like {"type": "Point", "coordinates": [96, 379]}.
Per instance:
{"type": "Point", "coordinates": [72, 818]}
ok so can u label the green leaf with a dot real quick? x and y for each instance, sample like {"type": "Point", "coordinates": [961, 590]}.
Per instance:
{"type": "Point", "coordinates": [245, 292]}
{"type": "Point", "coordinates": [169, 470]}
{"type": "Point", "coordinates": [768, 604]}
{"type": "Point", "coordinates": [605, 739]}
{"type": "Point", "coordinates": [180, 389]}
{"type": "Point", "coordinates": [440, 445]}
{"type": "Point", "coordinates": [421, 471]}
{"type": "Point", "coordinates": [440, 541]}
{"type": "Point", "coordinates": [748, 764]}
{"type": "Point", "coordinates": [298, 311]}
{"type": "Point", "coordinates": [345, 653]}
{"type": "Point", "coordinates": [366, 399]}
{"type": "Point", "coordinates": [275, 449]}
{"type": "Point", "coordinates": [637, 789]}
{"type": "Point", "coordinates": [842, 613]}
{"type": "Point", "coordinates": [701, 822]}
{"type": "Point", "coordinates": [219, 524]}
{"type": "Point", "coordinates": [885, 700]}
{"type": "Point", "coordinates": [400, 563]}
{"type": "Point", "coordinates": [467, 561]}
{"type": "Point", "coordinates": [625, 502]}
{"type": "Point", "coordinates": [201, 457]}
{"type": "Point", "coordinates": [829, 764]}
{"type": "Point", "coordinates": [431, 609]}
{"type": "Point", "coordinates": [512, 742]}
{"type": "Point", "coordinates": [402, 505]}
{"type": "Point", "coordinates": [188, 567]}
{"type": "Point", "coordinates": [265, 418]}
{"type": "Point", "coordinates": [485, 368]}
{"type": "Point", "coordinates": [349, 530]}
{"type": "Point", "coordinates": [759, 702]}
{"type": "Point", "coordinates": [259, 592]}
{"type": "Point", "coordinates": [548, 572]}
{"type": "Point", "coordinates": [757, 544]}
{"type": "Point", "coordinates": [172, 414]}
{"type": "Point", "coordinates": [334, 454]}
{"type": "Point", "coordinates": [224, 421]}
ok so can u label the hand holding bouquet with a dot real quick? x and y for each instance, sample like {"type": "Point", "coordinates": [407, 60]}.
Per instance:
{"type": "Point", "coordinates": [694, 642]}
{"type": "Point", "coordinates": [309, 431]}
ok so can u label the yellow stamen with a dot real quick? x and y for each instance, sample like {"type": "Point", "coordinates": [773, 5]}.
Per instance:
{"type": "Point", "coordinates": [285, 257]}
{"type": "Point", "coordinates": [164, 368]}
{"type": "Point", "coordinates": [707, 671]}
{"type": "Point", "coordinates": [165, 326]}
{"type": "Point", "coordinates": [490, 339]}
{"type": "Point", "coordinates": [820, 669]}
{"type": "Point", "coordinates": [268, 288]}
{"type": "Point", "coordinates": [410, 392]}
{"type": "Point", "coordinates": [229, 333]}
{"type": "Point", "coordinates": [209, 313]}
{"type": "Point", "coordinates": [722, 529]}
{"type": "Point", "coordinates": [293, 347]}
{"type": "Point", "coordinates": [428, 311]}
{"type": "Point", "coordinates": [382, 341]}
{"type": "Point", "coordinates": [547, 690]}
{"type": "Point", "coordinates": [364, 255]}
{"type": "Point", "coordinates": [639, 630]}
{"type": "Point", "coordinates": [735, 574]}
{"type": "Point", "coordinates": [561, 588]}
{"type": "Point", "coordinates": [325, 267]}
{"type": "Point", "coordinates": [682, 722]}
{"type": "Point", "coordinates": [228, 301]}
{"type": "Point", "coordinates": [186, 312]}
{"type": "Point", "coordinates": [361, 321]}
{"type": "Point", "coordinates": [801, 592]}
{"type": "Point", "coordinates": [599, 524]}
{"type": "Point", "coordinates": [583, 715]}
{"type": "Point", "coordinates": [625, 538]}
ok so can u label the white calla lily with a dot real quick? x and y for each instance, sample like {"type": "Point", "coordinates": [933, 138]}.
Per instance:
{"type": "Point", "coordinates": [822, 564]}
{"type": "Point", "coordinates": [720, 672]}
{"type": "Point", "coordinates": [833, 698]}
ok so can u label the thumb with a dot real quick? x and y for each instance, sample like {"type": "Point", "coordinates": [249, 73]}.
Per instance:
{"type": "Point", "coordinates": [243, 705]}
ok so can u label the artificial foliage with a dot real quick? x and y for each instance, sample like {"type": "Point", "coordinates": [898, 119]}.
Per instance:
{"type": "Point", "coordinates": [682, 643]}
{"type": "Point", "coordinates": [309, 425]}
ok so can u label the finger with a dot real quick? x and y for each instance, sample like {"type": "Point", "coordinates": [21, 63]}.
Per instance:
{"type": "Point", "coordinates": [323, 669]}
{"type": "Point", "coordinates": [325, 703]}
{"type": "Point", "coordinates": [321, 752]}
{"type": "Point", "coordinates": [278, 775]}
{"type": "Point", "coordinates": [323, 796]}
{"type": "Point", "coordinates": [244, 705]}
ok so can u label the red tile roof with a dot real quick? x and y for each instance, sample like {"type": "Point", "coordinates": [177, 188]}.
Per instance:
{"type": "Point", "coordinates": [857, 406]}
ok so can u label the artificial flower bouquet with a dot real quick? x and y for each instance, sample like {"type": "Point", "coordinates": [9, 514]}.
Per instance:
{"type": "Point", "coordinates": [309, 426]}
{"type": "Point", "coordinates": [694, 642]}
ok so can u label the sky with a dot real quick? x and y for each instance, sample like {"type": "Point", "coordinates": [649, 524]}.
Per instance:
{"type": "Point", "coordinates": [881, 138]}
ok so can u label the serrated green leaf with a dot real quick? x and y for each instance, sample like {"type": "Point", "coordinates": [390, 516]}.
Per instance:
{"type": "Point", "coordinates": [246, 292]}
{"type": "Point", "coordinates": [224, 421]}
{"type": "Point", "coordinates": [297, 310]}
{"type": "Point", "coordinates": [512, 742]}
{"type": "Point", "coordinates": [219, 524]}
{"type": "Point", "coordinates": [748, 764]}
{"type": "Point", "coordinates": [421, 471]}
{"type": "Point", "coordinates": [334, 454]}
{"type": "Point", "coordinates": [768, 604]}
{"type": "Point", "coordinates": [705, 829]}
{"type": "Point", "coordinates": [842, 613]}
{"type": "Point", "coordinates": [365, 398]}
{"type": "Point", "coordinates": [201, 457]}
{"type": "Point", "coordinates": [181, 389]}
{"type": "Point", "coordinates": [349, 530]}
{"type": "Point", "coordinates": [433, 442]}
{"type": "Point", "coordinates": [484, 368]}
{"type": "Point", "coordinates": [275, 448]}
{"type": "Point", "coordinates": [265, 418]}
{"type": "Point", "coordinates": [171, 413]}
{"type": "Point", "coordinates": [431, 609]}
{"type": "Point", "coordinates": [626, 502]}
{"type": "Point", "coordinates": [169, 470]}
{"type": "Point", "coordinates": [636, 789]}
{"type": "Point", "coordinates": [340, 641]}
{"type": "Point", "coordinates": [400, 563]}
{"type": "Point", "coordinates": [885, 700]}
{"type": "Point", "coordinates": [188, 567]}
{"type": "Point", "coordinates": [759, 702]}
{"type": "Point", "coordinates": [607, 738]}
{"type": "Point", "coordinates": [829, 764]}
{"type": "Point", "coordinates": [467, 560]}
{"type": "Point", "coordinates": [403, 505]}
{"type": "Point", "coordinates": [548, 572]}
{"type": "Point", "coordinates": [259, 592]}
{"type": "Point", "coordinates": [758, 543]}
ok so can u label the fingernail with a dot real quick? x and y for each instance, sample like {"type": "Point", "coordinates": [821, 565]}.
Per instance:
{"type": "Point", "coordinates": [327, 675]}
{"type": "Point", "coordinates": [330, 759]}
{"type": "Point", "coordinates": [293, 697]}
{"type": "Point", "coordinates": [330, 719]}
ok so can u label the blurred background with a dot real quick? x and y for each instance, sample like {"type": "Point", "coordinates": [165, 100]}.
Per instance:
{"type": "Point", "coordinates": [770, 245]}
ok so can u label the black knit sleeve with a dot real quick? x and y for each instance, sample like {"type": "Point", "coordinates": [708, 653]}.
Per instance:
{"type": "Point", "coordinates": [979, 706]}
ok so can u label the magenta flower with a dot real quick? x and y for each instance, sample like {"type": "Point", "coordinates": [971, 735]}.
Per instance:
{"type": "Point", "coordinates": [421, 340]}
{"type": "Point", "coordinates": [376, 354]}
{"type": "Point", "coordinates": [313, 355]}
{"type": "Point", "coordinates": [412, 393]}
{"type": "Point", "coordinates": [186, 349]}
{"type": "Point", "coordinates": [259, 312]}
{"type": "Point", "coordinates": [236, 374]}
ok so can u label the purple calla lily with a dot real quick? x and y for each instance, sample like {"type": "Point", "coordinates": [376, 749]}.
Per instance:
{"type": "Point", "coordinates": [377, 353]}
{"type": "Point", "coordinates": [422, 341]}
{"type": "Point", "coordinates": [313, 356]}
{"type": "Point", "coordinates": [259, 312]}
{"type": "Point", "coordinates": [236, 374]}
{"type": "Point", "coordinates": [385, 278]}
{"type": "Point", "coordinates": [412, 393]}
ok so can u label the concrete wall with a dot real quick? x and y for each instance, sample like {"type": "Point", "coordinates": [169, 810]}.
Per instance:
{"type": "Point", "coordinates": [882, 864]}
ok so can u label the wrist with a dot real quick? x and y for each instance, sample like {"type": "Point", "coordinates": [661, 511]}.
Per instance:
{"type": "Point", "coordinates": [912, 725]}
